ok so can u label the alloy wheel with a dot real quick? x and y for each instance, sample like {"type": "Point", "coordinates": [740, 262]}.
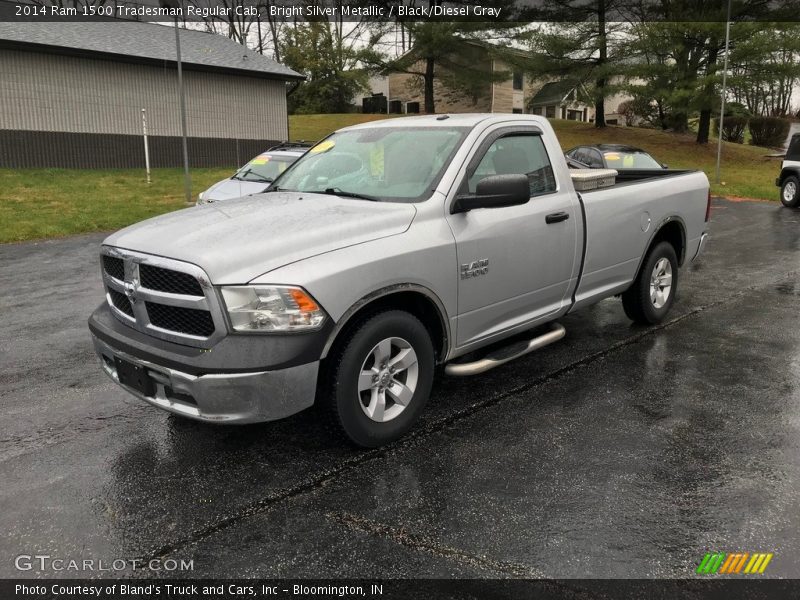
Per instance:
{"type": "Point", "coordinates": [661, 283]}
{"type": "Point", "coordinates": [388, 379]}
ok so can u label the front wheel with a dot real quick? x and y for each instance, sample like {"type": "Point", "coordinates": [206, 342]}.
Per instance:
{"type": "Point", "coordinates": [380, 377]}
{"type": "Point", "coordinates": [652, 293]}
{"type": "Point", "coordinates": [790, 192]}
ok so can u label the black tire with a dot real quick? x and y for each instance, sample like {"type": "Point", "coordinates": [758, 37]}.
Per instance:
{"type": "Point", "coordinates": [340, 394]}
{"type": "Point", "coordinates": [636, 300]}
{"type": "Point", "coordinates": [787, 198]}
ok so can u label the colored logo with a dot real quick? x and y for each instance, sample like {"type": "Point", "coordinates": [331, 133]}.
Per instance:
{"type": "Point", "coordinates": [720, 563]}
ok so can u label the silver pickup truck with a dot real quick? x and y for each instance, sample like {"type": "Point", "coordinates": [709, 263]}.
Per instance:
{"type": "Point", "coordinates": [389, 248]}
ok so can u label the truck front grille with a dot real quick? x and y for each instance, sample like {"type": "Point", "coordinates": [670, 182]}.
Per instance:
{"type": "Point", "coordinates": [167, 280]}
{"type": "Point", "coordinates": [183, 320]}
{"type": "Point", "coordinates": [165, 298]}
{"type": "Point", "coordinates": [114, 267]}
{"type": "Point", "coordinates": [120, 301]}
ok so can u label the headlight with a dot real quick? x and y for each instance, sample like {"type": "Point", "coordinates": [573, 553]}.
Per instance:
{"type": "Point", "coordinates": [260, 308]}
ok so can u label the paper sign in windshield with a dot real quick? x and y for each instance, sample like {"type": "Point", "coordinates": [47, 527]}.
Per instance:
{"type": "Point", "coordinates": [323, 147]}
{"type": "Point", "coordinates": [261, 159]}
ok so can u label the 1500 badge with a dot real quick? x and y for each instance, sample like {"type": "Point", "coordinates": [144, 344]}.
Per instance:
{"type": "Point", "coordinates": [475, 268]}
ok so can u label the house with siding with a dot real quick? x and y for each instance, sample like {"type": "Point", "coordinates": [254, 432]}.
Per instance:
{"type": "Point", "coordinates": [565, 99]}
{"type": "Point", "coordinates": [569, 99]}
{"type": "Point", "coordinates": [73, 94]}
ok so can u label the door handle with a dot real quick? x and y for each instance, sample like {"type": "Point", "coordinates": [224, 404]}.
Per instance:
{"type": "Point", "coordinates": [556, 217]}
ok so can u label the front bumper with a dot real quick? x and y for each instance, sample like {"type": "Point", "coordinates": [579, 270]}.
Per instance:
{"type": "Point", "coordinates": [221, 398]}
{"type": "Point", "coordinates": [242, 379]}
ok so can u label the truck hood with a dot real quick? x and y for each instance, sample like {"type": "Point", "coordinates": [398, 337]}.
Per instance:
{"type": "Point", "coordinates": [238, 240]}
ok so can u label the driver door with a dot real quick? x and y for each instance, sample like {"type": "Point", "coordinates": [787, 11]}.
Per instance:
{"type": "Point", "coordinates": [517, 263]}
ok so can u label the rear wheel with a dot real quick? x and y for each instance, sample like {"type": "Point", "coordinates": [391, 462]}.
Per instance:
{"type": "Point", "coordinates": [380, 377]}
{"type": "Point", "coordinates": [790, 192]}
{"type": "Point", "coordinates": [651, 295]}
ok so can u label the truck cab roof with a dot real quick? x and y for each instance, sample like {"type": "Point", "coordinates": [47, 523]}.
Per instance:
{"type": "Point", "coordinates": [449, 120]}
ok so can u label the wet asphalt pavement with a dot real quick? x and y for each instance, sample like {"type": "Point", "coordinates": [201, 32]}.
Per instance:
{"type": "Point", "coordinates": [617, 452]}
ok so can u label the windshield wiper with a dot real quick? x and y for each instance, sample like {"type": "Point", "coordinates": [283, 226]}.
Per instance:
{"type": "Point", "coordinates": [241, 176]}
{"type": "Point", "coordinates": [344, 194]}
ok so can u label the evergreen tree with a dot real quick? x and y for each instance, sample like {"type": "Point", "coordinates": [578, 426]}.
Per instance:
{"type": "Point", "coordinates": [437, 52]}
{"type": "Point", "coordinates": [584, 41]}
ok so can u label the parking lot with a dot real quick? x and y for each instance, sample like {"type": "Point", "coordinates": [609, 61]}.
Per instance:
{"type": "Point", "coordinates": [618, 452]}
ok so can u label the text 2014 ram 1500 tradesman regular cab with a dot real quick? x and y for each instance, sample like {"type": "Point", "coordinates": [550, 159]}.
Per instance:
{"type": "Point", "coordinates": [388, 248]}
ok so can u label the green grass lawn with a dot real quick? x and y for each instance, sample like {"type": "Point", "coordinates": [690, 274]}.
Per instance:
{"type": "Point", "coordinates": [313, 127]}
{"type": "Point", "coordinates": [745, 171]}
{"type": "Point", "coordinates": [46, 203]}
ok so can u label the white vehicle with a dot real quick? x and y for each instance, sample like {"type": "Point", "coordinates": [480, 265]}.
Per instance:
{"type": "Point", "coordinates": [789, 179]}
{"type": "Point", "coordinates": [257, 175]}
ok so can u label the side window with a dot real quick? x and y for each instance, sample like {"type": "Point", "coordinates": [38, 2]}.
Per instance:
{"type": "Point", "coordinates": [513, 155]}
{"type": "Point", "coordinates": [595, 160]}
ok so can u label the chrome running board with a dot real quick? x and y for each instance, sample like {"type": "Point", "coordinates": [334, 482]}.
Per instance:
{"type": "Point", "coordinates": [505, 354]}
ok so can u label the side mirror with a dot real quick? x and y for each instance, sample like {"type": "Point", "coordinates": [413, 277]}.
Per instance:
{"type": "Point", "coordinates": [495, 191]}
{"type": "Point", "coordinates": [664, 166]}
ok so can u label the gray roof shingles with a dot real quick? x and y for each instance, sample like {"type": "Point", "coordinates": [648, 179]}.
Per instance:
{"type": "Point", "coordinates": [553, 92]}
{"type": "Point", "coordinates": [145, 41]}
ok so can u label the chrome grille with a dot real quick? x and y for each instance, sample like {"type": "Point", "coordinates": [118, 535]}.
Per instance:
{"type": "Point", "coordinates": [167, 280]}
{"type": "Point", "coordinates": [121, 302]}
{"type": "Point", "coordinates": [183, 320]}
{"type": "Point", "coordinates": [114, 267]}
{"type": "Point", "coordinates": [165, 298]}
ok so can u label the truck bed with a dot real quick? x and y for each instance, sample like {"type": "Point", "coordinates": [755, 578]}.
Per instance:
{"type": "Point", "coordinates": [620, 221]}
{"type": "Point", "coordinates": [629, 176]}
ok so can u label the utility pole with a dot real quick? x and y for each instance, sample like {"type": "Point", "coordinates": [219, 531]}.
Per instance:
{"type": "Point", "coordinates": [187, 179]}
{"type": "Point", "coordinates": [724, 90]}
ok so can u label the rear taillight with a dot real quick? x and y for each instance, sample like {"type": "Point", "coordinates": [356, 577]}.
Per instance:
{"type": "Point", "coordinates": [708, 206]}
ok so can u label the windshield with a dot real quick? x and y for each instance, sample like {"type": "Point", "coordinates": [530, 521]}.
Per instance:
{"type": "Point", "coordinates": [401, 164]}
{"type": "Point", "coordinates": [630, 160]}
{"type": "Point", "coordinates": [264, 167]}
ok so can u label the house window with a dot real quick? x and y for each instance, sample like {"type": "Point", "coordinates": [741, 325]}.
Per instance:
{"type": "Point", "coordinates": [550, 112]}
{"type": "Point", "coordinates": [516, 111]}
{"type": "Point", "coordinates": [537, 110]}
{"type": "Point", "coordinates": [612, 122]}
{"type": "Point", "coordinates": [517, 79]}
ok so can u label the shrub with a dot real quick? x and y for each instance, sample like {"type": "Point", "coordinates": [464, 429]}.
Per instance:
{"type": "Point", "coordinates": [732, 128]}
{"type": "Point", "coordinates": [628, 111]}
{"type": "Point", "coordinates": [735, 109]}
{"type": "Point", "coordinates": [770, 132]}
